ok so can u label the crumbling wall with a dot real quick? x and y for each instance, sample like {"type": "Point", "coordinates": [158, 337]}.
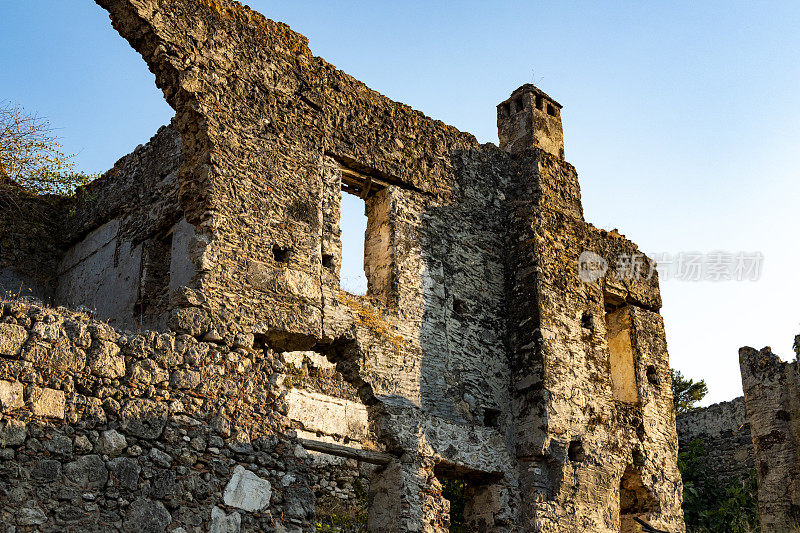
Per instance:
{"type": "Point", "coordinates": [478, 354]}
{"type": "Point", "coordinates": [119, 238]}
{"type": "Point", "coordinates": [272, 112]}
{"type": "Point", "coordinates": [29, 244]}
{"type": "Point", "coordinates": [119, 246]}
{"type": "Point", "coordinates": [772, 396]}
{"type": "Point", "coordinates": [580, 448]}
{"type": "Point", "coordinates": [724, 430]}
{"type": "Point", "coordinates": [267, 131]}
{"type": "Point", "coordinates": [105, 431]}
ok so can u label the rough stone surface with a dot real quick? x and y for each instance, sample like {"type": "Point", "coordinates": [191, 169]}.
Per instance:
{"type": "Point", "coordinates": [247, 491]}
{"type": "Point", "coordinates": [478, 352]}
{"type": "Point", "coordinates": [106, 360]}
{"type": "Point", "coordinates": [147, 516]}
{"type": "Point", "coordinates": [111, 443]}
{"type": "Point", "coordinates": [87, 471]}
{"type": "Point", "coordinates": [10, 395]}
{"type": "Point", "coordinates": [772, 395]}
{"type": "Point", "coordinates": [222, 523]}
{"type": "Point", "coordinates": [12, 432]}
{"type": "Point", "coordinates": [12, 337]}
{"type": "Point", "coordinates": [46, 402]}
{"type": "Point", "coordinates": [724, 431]}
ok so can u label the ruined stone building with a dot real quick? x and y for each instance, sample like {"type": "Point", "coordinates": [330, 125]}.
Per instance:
{"type": "Point", "coordinates": [758, 435]}
{"type": "Point", "coordinates": [772, 395]}
{"type": "Point", "coordinates": [207, 371]}
{"type": "Point", "coordinates": [724, 431]}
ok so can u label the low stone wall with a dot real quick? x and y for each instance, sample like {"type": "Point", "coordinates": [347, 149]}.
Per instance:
{"type": "Point", "coordinates": [724, 430]}
{"type": "Point", "coordinates": [102, 431]}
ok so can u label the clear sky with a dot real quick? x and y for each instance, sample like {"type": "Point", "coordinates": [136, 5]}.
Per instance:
{"type": "Point", "coordinates": [682, 118]}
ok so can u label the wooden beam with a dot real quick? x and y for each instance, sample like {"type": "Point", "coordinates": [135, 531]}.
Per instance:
{"type": "Point", "coordinates": [365, 193]}
{"type": "Point", "coordinates": [366, 456]}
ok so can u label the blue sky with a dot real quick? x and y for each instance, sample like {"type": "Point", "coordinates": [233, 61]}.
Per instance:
{"type": "Point", "coordinates": [682, 118]}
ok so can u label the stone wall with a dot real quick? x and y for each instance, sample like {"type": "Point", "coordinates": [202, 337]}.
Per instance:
{"type": "Point", "coordinates": [569, 424]}
{"type": "Point", "coordinates": [120, 238]}
{"type": "Point", "coordinates": [114, 247]}
{"type": "Point", "coordinates": [478, 354]}
{"type": "Point", "coordinates": [106, 431]}
{"type": "Point", "coordinates": [772, 395]}
{"type": "Point", "coordinates": [724, 430]}
{"type": "Point", "coordinates": [29, 247]}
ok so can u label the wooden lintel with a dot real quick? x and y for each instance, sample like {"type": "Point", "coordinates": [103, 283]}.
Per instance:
{"type": "Point", "coordinates": [365, 193]}
{"type": "Point", "coordinates": [366, 456]}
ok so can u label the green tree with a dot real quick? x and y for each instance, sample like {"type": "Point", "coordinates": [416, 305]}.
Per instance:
{"type": "Point", "coordinates": [712, 505]}
{"type": "Point", "coordinates": [686, 392]}
{"type": "Point", "coordinates": [31, 156]}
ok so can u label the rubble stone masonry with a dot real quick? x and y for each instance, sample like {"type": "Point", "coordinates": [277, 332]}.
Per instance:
{"type": "Point", "coordinates": [724, 430]}
{"type": "Point", "coordinates": [236, 387]}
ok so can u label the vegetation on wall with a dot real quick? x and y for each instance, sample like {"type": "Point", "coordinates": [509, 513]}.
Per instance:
{"type": "Point", "coordinates": [730, 507]}
{"type": "Point", "coordinates": [340, 516]}
{"type": "Point", "coordinates": [453, 490]}
{"type": "Point", "coordinates": [709, 505]}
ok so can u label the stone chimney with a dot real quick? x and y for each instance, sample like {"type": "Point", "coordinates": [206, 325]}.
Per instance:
{"type": "Point", "coordinates": [530, 119]}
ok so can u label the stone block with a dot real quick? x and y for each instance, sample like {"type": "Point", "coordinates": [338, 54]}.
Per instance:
{"type": "Point", "coordinates": [144, 418]}
{"type": "Point", "coordinates": [63, 357]}
{"type": "Point", "coordinates": [185, 379]}
{"type": "Point", "coordinates": [46, 402]}
{"type": "Point", "coordinates": [247, 491]}
{"type": "Point", "coordinates": [12, 432]}
{"type": "Point", "coordinates": [191, 320]}
{"type": "Point", "coordinates": [31, 516]}
{"type": "Point", "coordinates": [125, 472]}
{"type": "Point", "coordinates": [59, 444]}
{"type": "Point", "coordinates": [146, 516]}
{"type": "Point", "coordinates": [88, 471]}
{"type": "Point", "coordinates": [46, 471]}
{"type": "Point", "coordinates": [12, 337]}
{"type": "Point", "coordinates": [11, 393]}
{"type": "Point", "coordinates": [106, 361]}
{"type": "Point", "coordinates": [329, 415]}
{"type": "Point", "coordinates": [222, 523]}
{"type": "Point", "coordinates": [111, 443]}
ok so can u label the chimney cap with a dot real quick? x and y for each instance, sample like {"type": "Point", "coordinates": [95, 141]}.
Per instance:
{"type": "Point", "coordinates": [530, 88]}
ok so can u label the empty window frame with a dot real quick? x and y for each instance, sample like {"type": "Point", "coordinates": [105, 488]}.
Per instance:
{"type": "Point", "coordinates": [365, 235]}
{"type": "Point", "coordinates": [622, 362]}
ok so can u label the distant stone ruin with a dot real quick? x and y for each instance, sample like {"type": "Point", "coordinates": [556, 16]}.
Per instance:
{"type": "Point", "coordinates": [724, 431]}
{"type": "Point", "coordinates": [755, 434]}
{"type": "Point", "coordinates": [195, 366]}
{"type": "Point", "coordinates": [772, 394]}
